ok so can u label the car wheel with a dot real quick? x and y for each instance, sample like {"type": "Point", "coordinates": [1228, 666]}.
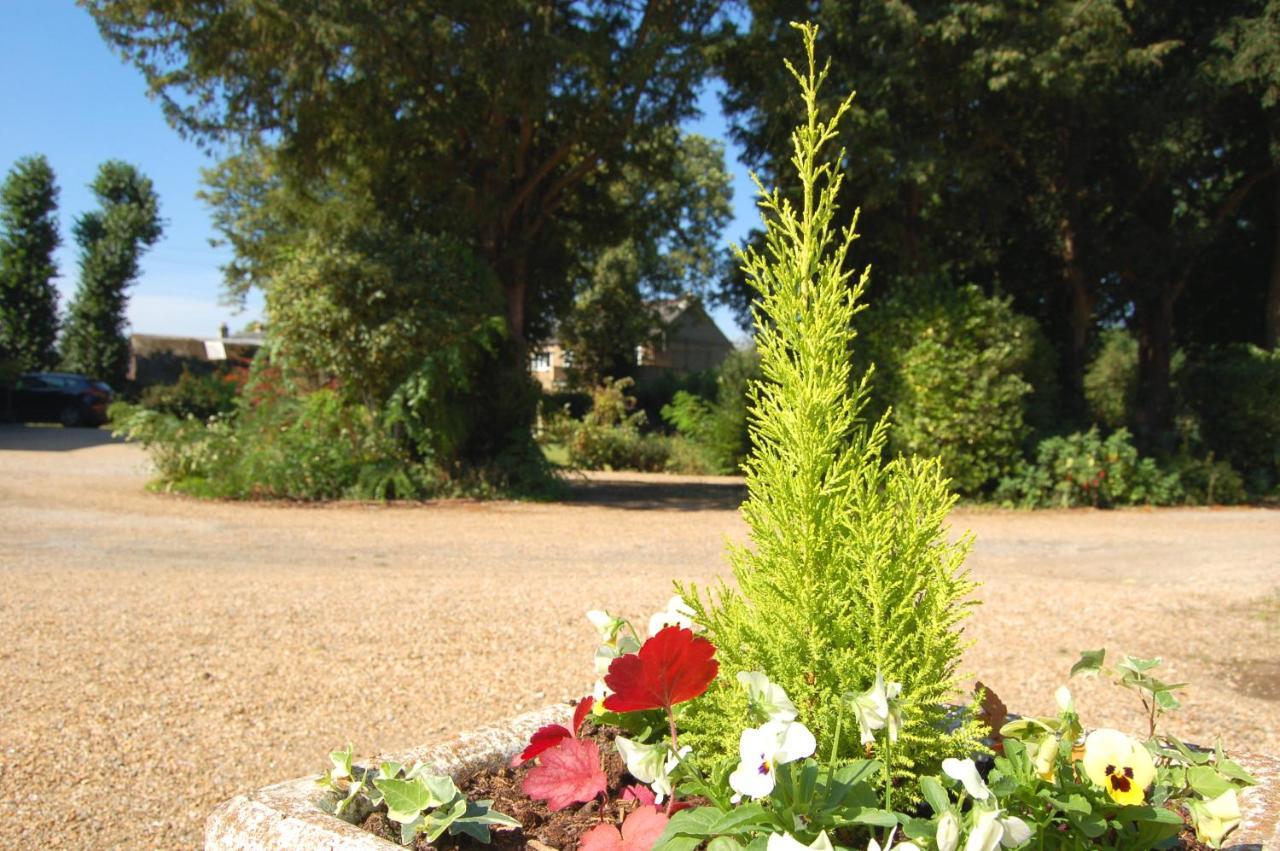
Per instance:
{"type": "Point", "coordinates": [70, 416]}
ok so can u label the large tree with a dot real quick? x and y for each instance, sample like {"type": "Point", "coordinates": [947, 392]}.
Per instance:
{"type": "Point", "coordinates": [500, 124]}
{"type": "Point", "coordinates": [671, 249]}
{"type": "Point", "coordinates": [112, 240]}
{"type": "Point", "coordinates": [1083, 156]}
{"type": "Point", "coordinates": [28, 238]}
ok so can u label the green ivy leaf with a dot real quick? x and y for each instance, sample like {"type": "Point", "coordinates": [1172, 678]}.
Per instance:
{"type": "Point", "coordinates": [439, 819]}
{"type": "Point", "coordinates": [406, 799]}
{"type": "Point", "coordinates": [1090, 662]}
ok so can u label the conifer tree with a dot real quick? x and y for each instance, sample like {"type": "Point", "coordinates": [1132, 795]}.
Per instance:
{"type": "Point", "coordinates": [28, 238]}
{"type": "Point", "coordinates": [851, 574]}
{"type": "Point", "coordinates": [111, 241]}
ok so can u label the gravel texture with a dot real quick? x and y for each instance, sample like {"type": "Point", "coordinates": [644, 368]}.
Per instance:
{"type": "Point", "coordinates": [158, 655]}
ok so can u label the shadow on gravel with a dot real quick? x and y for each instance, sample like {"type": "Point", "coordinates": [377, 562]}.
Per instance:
{"type": "Point", "coordinates": [673, 496]}
{"type": "Point", "coordinates": [16, 437]}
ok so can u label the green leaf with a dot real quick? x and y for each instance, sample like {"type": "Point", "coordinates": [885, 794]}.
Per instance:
{"type": "Point", "coordinates": [858, 771]}
{"type": "Point", "coordinates": [439, 819]}
{"type": "Point", "coordinates": [341, 762]}
{"type": "Point", "coordinates": [1137, 665]}
{"type": "Point", "coordinates": [724, 843]}
{"type": "Point", "coordinates": [1207, 781]}
{"type": "Point", "coordinates": [935, 795]}
{"type": "Point", "coordinates": [481, 812]}
{"type": "Point", "coordinates": [405, 799]}
{"type": "Point", "coordinates": [879, 818]}
{"type": "Point", "coordinates": [478, 832]}
{"type": "Point", "coordinates": [694, 822]}
{"type": "Point", "coordinates": [409, 830]}
{"type": "Point", "coordinates": [1232, 769]}
{"type": "Point", "coordinates": [443, 790]}
{"type": "Point", "coordinates": [390, 770]}
{"type": "Point", "coordinates": [739, 820]}
{"type": "Point", "coordinates": [1090, 662]}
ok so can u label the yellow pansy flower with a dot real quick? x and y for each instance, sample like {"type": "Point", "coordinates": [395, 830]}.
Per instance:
{"type": "Point", "coordinates": [1119, 764]}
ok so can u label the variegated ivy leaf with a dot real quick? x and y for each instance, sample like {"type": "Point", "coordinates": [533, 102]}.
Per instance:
{"type": "Point", "coordinates": [390, 770]}
{"type": "Point", "coordinates": [405, 799]}
{"type": "Point", "coordinates": [438, 820]}
{"type": "Point", "coordinates": [409, 830]}
{"type": "Point", "coordinates": [1091, 662]}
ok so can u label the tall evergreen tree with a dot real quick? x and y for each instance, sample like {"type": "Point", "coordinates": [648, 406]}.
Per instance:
{"type": "Point", "coordinates": [28, 237]}
{"type": "Point", "coordinates": [112, 240]}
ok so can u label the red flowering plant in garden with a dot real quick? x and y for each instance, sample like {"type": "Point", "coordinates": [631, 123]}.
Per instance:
{"type": "Point", "coordinates": [671, 667]}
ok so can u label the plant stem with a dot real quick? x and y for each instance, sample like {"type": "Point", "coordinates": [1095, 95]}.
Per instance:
{"type": "Point", "coordinates": [675, 749]}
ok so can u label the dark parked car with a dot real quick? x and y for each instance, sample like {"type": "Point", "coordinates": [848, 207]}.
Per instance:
{"type": "Point", "coordinates": [59, 397]}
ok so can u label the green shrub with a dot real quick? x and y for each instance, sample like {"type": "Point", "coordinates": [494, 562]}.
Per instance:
{"type": "Point", "coordinates": [1234, 394]}
{"type": "Point", "coordinates": [198, 396]}
{"type": "Point", "coordinates": [851, 574]}
{"type": "Point", "coordinates": [954, 366]}
{"type": "Point", "coordinates": [1111, 379]}
{"type": "Point", "coordinates": [719, 427]}
{"type": "Point", "coordinates": [610, 436]}
{"type": "Point", "coordinates": [1082, 469]}
{"type": "Point", "coordinates": [275, 445]}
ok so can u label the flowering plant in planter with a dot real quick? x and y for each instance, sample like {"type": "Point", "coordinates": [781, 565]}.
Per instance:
{"type": "Point", "coordinates": [812, 705]}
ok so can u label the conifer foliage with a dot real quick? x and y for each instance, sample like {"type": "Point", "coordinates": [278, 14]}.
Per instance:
{"type": "Point", "coordinates": [28, 238]}
{"type": "Point", "coordinates": [851, 572]}
{"type": "Point", "coordinates": [112, 240]}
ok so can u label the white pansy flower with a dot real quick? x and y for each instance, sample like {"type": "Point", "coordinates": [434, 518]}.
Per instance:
{"type": "Point", "coordinates": [677, 613]}
{"type": "Point", "coordinates": [767, 698]}
{"type": "Point", "coordinates": [606, 624]}
{"type": "Point", "coordinates": [762, 750]}
{"type": "Point", "coordinates": [986, 832]}
{"type": "Point", "coordinates": [966, 772]}
{"type": "Point", "coordinates": [876, 708]}
{"type": "Point", "coordinates": [651, 764]}
{"type": "Point", "coordinates": [787, 842]}
{"type": "Point", "coordinates": [1016, 832]}
{"type": "Point", "coordinates": [948, 834]}
{"type": "Point", "coordinates": [1216, 817]}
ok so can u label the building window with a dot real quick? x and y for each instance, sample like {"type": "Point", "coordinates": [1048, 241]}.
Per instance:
{"type": "Point", "coordinates": [640, 355]}
{"type": "Point", "coordinates": [541, 361]}
{"type": "Point", "coordinates": [567, 359]}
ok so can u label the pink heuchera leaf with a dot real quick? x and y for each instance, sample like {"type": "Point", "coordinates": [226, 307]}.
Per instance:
{"type": "Point", "coordinates": [640, 832]}
{"type": "Point", "coordinates": [568, 773]}
{"type": "Point", "coordinates": [640, 792]}
{"type": "Point", "coordinates": [643, 794]}
{"type": "Point", "coordinates": [671, 667]}
{"type": "Point", "coordinates": [551, 735]}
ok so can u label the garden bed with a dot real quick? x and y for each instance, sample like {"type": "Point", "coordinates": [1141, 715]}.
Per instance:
{"type": "Point", "coordinates": [287, 815]}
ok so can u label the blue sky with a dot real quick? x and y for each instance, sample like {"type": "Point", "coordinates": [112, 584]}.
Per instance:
{"type": "Point", "coordinates": [67, 96]}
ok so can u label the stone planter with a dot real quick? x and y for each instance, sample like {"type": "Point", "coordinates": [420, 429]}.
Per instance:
{"type": "Point", "coordinates": [285, 816]}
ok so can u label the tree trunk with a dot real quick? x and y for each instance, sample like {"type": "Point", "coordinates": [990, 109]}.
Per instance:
{"type": "Point", "coordinates": [1272, 339]}
{"type": "Point", "coordinates": [1154, 416]}
{"type": "Point", "coordinates": [1080, 318]}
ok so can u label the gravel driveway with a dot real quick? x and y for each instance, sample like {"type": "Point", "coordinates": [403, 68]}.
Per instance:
{"type": "Point", "coordinates": [158, 655]}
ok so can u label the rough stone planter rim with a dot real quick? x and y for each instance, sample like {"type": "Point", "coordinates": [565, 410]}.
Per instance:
{"type": "Point", "coordinates": [285, 815]}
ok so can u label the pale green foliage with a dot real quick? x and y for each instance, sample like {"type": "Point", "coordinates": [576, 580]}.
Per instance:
{"type": "Point", "coordinates": [851, 570]}
{"type": "Point", "coordinates": [420, 802]}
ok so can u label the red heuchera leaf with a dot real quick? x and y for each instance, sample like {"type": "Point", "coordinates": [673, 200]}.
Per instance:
{"type": "Point", "coordinates": [567, 774]}
{"type": "Point", "coordinates": [672, 667]}
{"type": "Point", "coordinates": [580, 713]}
{"type": "Point", "coordinates": [547, 737]}
{"type": "Point", "coordinates": [640, 832]}
{"type": "Point", "coordinates": [551, 735]}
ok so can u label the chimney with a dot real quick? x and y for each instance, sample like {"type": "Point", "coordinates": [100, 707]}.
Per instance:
{"type": "Point", "coordinates": [223, 331]}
